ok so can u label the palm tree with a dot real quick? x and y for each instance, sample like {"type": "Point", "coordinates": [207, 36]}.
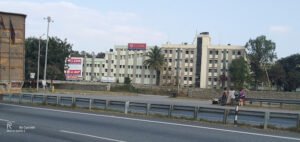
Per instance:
{"type": "Point", "coordinates": [155, 61]}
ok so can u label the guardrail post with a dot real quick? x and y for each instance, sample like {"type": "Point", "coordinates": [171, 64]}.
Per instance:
{"type": "Point", "coordinates": [73, 102]}
{"type": "Point", "coordinates": [226, 112]}
{"type": "Point", "coordinates": [31, 99]}
{"type": "Point", "coordinates": [196, 112]}
{"type": "Point", "coordinates": [170, 111]}
{"type": "Point", "coordinates": [148, 109]}
{"type": "Point", "coordinates": [20, 97]}
{"type": "Point", "coordinates": [298, 121]}
{"type": "Point", "coordinates": [57, 100]}
{"type": "Point", "coordinates": [106, 104]}
{"type": "Point", "coordinates": [44, 99]}
{"type": "Point", "coordinates": [281, 105]}
{"type": "Point", "coordinates": [126, 107]}
{"type": "Point", "coordinates": [9, 96]}
{"type": "Point", "coordinates": [90, 104]}
{"type": "Point", "coordinates": [267, 117]}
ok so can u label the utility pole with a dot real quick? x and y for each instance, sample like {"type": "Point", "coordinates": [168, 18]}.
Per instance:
{"type": "Point", "coordinates": [46, 54]}
{"type": "Point", "coordinates": [38, 66]}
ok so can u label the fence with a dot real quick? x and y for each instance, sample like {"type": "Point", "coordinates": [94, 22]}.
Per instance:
{"type": "Point", "coordinates": [281, 102]}
{"type": "Point", "coordinates": [225, 115]}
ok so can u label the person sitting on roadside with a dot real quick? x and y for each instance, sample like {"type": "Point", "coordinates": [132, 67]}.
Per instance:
{"type": "Point", "coordinates": [242, 97]}
{"type": "Point", "coordinates": [223, 98]}
{"type": "Point", "coordinates": [231, 97]}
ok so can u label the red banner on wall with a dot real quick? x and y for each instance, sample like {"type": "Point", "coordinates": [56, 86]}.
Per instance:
{"type": "Point", "coordinates": [137, 46]}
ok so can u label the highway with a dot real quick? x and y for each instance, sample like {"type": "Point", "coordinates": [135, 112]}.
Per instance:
{"type": "Point", "coordinates": [51, 125]}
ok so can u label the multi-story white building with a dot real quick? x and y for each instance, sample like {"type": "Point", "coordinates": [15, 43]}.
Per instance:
{"type": "Point", "coordinates": [199, 64]}
{"type": "Point", "coordinates": [120, 63]}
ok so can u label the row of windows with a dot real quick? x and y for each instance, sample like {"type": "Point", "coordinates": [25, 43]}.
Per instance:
{"type": "Point", "coordinates": [186, 60]}
{"type": "Point", "coordinates": [186, 52]}
{"type": "Point", "coordinates": [217, 52]}
{"type": "Point", "coordinates": [216, 61]}
{"type": "Point", "coordinates": [215, 70]}
{"type": "Point", "coordinates": [132, 66]}
{"type": "Point", "coordinates": [122, 75]}
{"type": "Point", "coordinates": [129, 56]}
{"type": "Point", "coordinates": [184, 78]}
{"type": "Point", "coordinates": [185, 69]}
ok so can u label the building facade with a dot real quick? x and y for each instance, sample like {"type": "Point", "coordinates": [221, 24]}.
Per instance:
{"type": "Point", "coordinates": [199, 64]}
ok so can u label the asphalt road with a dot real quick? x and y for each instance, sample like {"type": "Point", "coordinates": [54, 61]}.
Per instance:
{"type": "Point", "coordinates": [49, 125]}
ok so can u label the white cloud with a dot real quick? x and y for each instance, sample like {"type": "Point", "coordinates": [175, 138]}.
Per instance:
{"type": "Point", "coordinates": [279, 29]}
{"type": "Point", "coordinates": [88, 29]}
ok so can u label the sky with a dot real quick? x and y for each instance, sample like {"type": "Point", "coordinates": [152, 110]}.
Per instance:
{"type": "Point", "coordinates": [98, 25]}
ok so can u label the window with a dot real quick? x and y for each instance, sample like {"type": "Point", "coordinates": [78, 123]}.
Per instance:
{"type": "Point", "coordinates": [184, 78]}
{"type": "Point", "coordinates": [191, 69]}
{"type": "Point", "coordinates": [112, 61]}
{"type": "Point", "coordinates": [131, 75]}
{"type": "Point", "coordinates": [153, 76]}
{"type": "Point", "coordinates": [239, 53]}
{"type": "Point", "coordinates": [105, 70]}
{"type": "Point", "coordinates": [192, 52]}
{"type": "Point", "coordinates": [217, 52]}
{"type": "Point", "coordinates": [164, 77]}
{"type": "Point", "coordinates": [166, 51]}
{"type": "Point", "coordinates": [103, 65]}
{"type": "Point", "coordinates": [99, 65]}
{"type": "Point", "coordinates": [106, 61]}
{"type": "Point", "coordinates": [216, 61]}
{"type": "Point", "coordinates": [102, 74]}
{"type": "Point", "coordinates": [169, 68]}
{"type": "Point", "coordinates": [209, 70]}
{"type": "Point", "coordinates": [209, 79]}
{"type": "Point", "coordinates": [170, 60]}
{"type": "Point", "coordinates": [186, 52]}
{"type": "Point", "coordinates": [123, 66]}
{"type": "Point", "coordinates": [186, 60]}
{"type": "Point", "coordinates": [165, 68]}
{"type": "Point", "coordinates": [115, 66]}
{"type": "Point", "coordinates": [191, 60]}
{"type": "Point", "coordinates": [140, 75]}
{"type": "Point", "coordinates": [210, 61]}
{"type": "Point", "coordinates": [132, 66]}
{"type": "Point", "coordinates": [114, 75]}
{"type": "Point", "coordinates": [215, 79]}
{"type": "Point", "coordinates": [148, 76]}
{"type": "Point", "coordinates": [120, 66]}
{"type": "Point", "coordinates": [210, 52]}
{"type": "Point", "coordinates": [233, 52]}
{"type": "Point", "coordinates": [170, 51]}
{"type": "Point", "coordinates": [186, 69]}
{"type": "Point", "coordinates": [145, 76]}
{"type": "Point", "coordinates": [190, 78]}
{"type": "Point", "coordinates": [166, 60]}
{"type": "Point", "coordinates": [112, 70]}
{"type": "Point", "coordinates": [98, 74]}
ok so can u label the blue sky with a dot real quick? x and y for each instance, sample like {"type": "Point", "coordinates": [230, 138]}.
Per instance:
{"type": "Point", "coordinates": [99, 25]}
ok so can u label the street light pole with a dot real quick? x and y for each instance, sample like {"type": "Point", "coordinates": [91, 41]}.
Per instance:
{"type": "Point", "coordinates": [38, 66]}
{"type": "Point", "coordinates": [46, 54]}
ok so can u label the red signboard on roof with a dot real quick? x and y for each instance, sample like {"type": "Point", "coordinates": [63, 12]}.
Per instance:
{"type": "Point", "coordinates": [74, 60]}
{"type": "Point", "coordinates": [136, 46]}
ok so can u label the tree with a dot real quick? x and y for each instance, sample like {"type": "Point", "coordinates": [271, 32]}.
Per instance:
{"type": "Point", "coordinates": [100, 55]}
{"type": "Point", "coordinates": [58, 51]}
{"type": "Point", "coordinates": [155, 61]}
{"type": "Point", "coordinates": [277, 75]}
{"type": "Point", "coordinates": [291, 66]}
{"type": "Point", "coordinates": [260, 53]}
{"type": "Point", "coordinates": [238, 72]}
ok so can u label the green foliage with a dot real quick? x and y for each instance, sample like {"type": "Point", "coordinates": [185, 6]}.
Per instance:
{"type": "Point", "coordinates": [238, 71]}
{"type": "Point", "coordinates": [127, 81]}
{"type": "Point", "coordinates": [291, 66]}
{"type": "Point", "coordinates": [260, 52]}
{"type": "Point", "coordinates": [155, 61]}
{"type": "Point", "coordinates": [277, 75]}
{"type": "Point", "coordinates": [58, 50]}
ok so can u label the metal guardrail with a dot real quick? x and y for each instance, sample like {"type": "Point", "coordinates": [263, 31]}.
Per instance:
{"type": "Point", "coordinates": [224, 115]}
{"type": "Point", "coordinates": [281, 102]}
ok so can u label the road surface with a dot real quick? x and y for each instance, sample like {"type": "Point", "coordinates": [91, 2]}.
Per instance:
{"type": "Point", "coordinates": [50, 125]}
